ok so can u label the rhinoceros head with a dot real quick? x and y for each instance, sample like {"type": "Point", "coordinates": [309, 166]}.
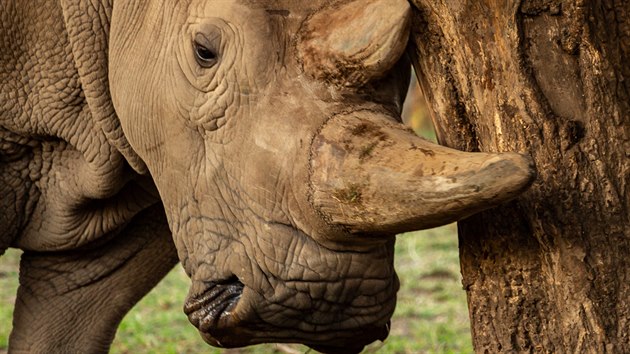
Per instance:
{"type": "Point", "coordinates": [272, 132]}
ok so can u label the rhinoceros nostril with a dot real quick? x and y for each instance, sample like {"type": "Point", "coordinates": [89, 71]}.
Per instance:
{"type": "Point", "coordinates": [206, 310]}
{"type": "Point", "coordinates": [233, 280]}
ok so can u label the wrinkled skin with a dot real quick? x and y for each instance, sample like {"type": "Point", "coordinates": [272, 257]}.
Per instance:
{"type": "Point", "coordinates": [237, 204]}
{"type": "Point", "coordinates": [267, 144]}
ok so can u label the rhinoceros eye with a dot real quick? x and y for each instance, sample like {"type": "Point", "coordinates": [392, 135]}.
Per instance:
{"type": "Point", "coordinates": [205, 54]}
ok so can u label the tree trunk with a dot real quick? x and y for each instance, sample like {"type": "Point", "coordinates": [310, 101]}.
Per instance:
{"type": "Point", "coordinates": [550, 271]}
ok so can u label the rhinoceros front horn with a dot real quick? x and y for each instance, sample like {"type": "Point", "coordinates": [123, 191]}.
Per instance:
{"type": "Point", "coordinates": [356, 42]}
{"type": "Point", "coordinates": [372, 175]}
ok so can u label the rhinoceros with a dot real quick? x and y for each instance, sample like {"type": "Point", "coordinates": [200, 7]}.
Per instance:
{"type": "Point", "coordinates": [258, 142]}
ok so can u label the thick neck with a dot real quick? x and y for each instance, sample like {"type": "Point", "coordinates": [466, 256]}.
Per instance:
{"type": "Point", "coordinates": [87, 28]}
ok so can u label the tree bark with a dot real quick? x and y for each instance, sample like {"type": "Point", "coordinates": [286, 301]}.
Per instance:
{"type": "Point", "coordinates": [550, 271]}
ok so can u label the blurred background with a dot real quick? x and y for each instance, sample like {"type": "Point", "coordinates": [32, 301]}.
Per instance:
{"type": "Point", "coordinates": [431, 315]}
{"type": "Point", "coordinates": [415, 111]}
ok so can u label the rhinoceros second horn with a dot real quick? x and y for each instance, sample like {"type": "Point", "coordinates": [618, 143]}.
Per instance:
{"type": "Point", "coordinates": [356, 42]}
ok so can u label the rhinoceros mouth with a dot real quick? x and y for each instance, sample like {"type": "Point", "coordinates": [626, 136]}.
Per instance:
{"type": "Point", "coordinates": [213, 308]}
{"type": "Point", "coordinates": [220, 323]}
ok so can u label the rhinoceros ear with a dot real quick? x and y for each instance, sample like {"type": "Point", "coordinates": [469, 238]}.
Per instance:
{"type": "Point", "coordinates": [356, 42]}
{"type": "Point", "coordinates": [87, 24]}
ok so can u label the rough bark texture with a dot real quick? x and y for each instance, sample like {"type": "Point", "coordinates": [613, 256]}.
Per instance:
{"type": "Point", "coordinates": [549, 272]}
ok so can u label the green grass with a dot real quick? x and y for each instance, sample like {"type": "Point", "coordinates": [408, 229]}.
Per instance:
{"type": "Point", "coordinates": [431, 316]}
{"type": "Point", "coordinates": [8, 286]}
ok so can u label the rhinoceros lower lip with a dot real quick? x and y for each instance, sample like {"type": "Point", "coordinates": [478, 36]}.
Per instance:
{"type": "Point", "coordinates": [213, 308]}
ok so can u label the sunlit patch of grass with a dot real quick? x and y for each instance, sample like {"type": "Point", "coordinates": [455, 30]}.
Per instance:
{"type": "Point", "coordinates": [8, 287]}
{"type": "Point", "coordinates": [431, 315]}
